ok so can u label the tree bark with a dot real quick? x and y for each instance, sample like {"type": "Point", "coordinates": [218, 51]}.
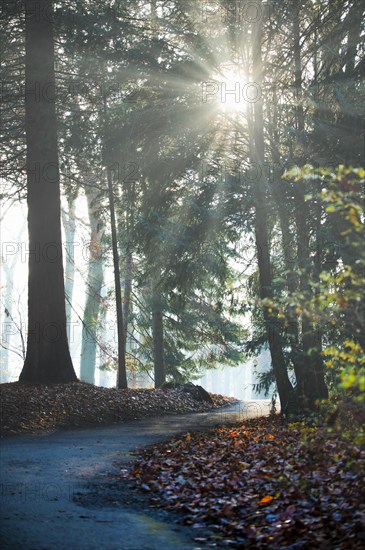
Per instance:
{"type": "Point", "coordinates": [158, 338]}
{"type": "Point", "coordinates": [8, 325]}
{"type": "Point", "coordinates": [257, 146]}
{"type": "Point", "coordinates": [121, 369]}
{"type": "Point", "coordinates": [292, 285]}
{"type": "Point", "coordinates": [95, 280]}
{"type": "Point", "coordinates": [311, 363]}
{"type": "Point", "coordinates": [48, 357]}
{"type": "Point", "coordinates": [122, 373]}
{"type": "Point", "coordinates": [355, 17]}
{"type": "Point", "coordinates": [69, 225]}
{"type": "Point", "coordinates": [127, 291]}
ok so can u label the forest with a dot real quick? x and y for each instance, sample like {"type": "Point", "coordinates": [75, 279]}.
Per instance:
{"type": "Point", "coordinates": [220, 150]}
{"type": "Point", "coordinates": [207, 158]}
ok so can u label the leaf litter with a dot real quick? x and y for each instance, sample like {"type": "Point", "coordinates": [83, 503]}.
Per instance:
{"type": "Point", "coordinates": [264, 484]}
{"type": "Point", "coordinates": [37, 408]}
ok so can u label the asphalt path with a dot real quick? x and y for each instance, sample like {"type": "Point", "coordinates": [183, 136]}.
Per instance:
{"type": "Point", "coordinates": [50, 483]}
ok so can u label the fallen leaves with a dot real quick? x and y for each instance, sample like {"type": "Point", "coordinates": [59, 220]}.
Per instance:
{"type": "Point", "coordinates": [266, 500]}
{"type": "Point", "coordinates": [266, 484]}
{"type": "Point", "coordinates": [34, 408]}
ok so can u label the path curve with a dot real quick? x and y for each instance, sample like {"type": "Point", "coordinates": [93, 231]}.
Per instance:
{"type": "Point", "coordinates": [42, 477]}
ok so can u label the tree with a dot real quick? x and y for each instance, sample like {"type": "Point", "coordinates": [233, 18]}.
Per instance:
{"type": "Point", "coordinates": [157, 336]}
{"type": "Point", "coordinates": [69, 226]}
{"type": "Point", "coordinates": [174, 229]}
{"type": "Point", "coordinates": [48, 357]}
{"type": "Point", "coordinates": [261, 227]}
{"type": "Point", "coordinates": [95, 279]}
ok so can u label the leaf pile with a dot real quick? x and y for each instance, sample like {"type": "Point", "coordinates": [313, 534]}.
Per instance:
{"type": "Point", "coordinates": [33, 408]}
{"type": "Point", "coordinates": [265, 484]}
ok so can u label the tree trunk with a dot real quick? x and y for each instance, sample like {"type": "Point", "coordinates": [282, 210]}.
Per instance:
{"type": "Point", "coordinates": [158, 338]}
{"type": "Point", "coordinates": [122, 373]}
{"type": "Point", "coordinates": [292, 285]}
{"type": "Point", "coordinates": [356, 18]}
{"type": "Point", "coordinates": [8, 325]}
{"type": "Point", "coordinates": [69, 225]}
{"type": "Point", "coordinates": [311, 363]}
{"type": "Point", "coordinates": [257, 146]}
{"type": "Point", "coordinates": [127, 291]}
{"type": "Point", "coordinates": [95, 280]}
{"type": "Point", "coordinates": [121, 369]}
{"type": "Point", "coordinates": [48, 357]}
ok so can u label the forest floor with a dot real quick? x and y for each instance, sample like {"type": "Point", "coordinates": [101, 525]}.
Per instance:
{"type": "Point", "coordinates": [266, 483]}
{"type": "Point", "coordinates": [251, 483]}
{"type": "Point", "coordinates": [33, 409]}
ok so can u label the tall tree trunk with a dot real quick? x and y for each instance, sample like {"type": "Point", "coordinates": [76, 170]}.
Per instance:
{"type": "Point", "coordinates": [311, 358]}
{"type": "Point", "coordinates": [122, 373]}
{"type": "Point", "coordinates": [257, 146]}
{"type": "Point", "coordinates": [48, 357]}
{"type": "Point", "coordinates": [8, 326]}
{"type": "Point", "coordinates": [356, 18]}
{"type": "Point", "coordinates": [95, 280]}
{"type": "Point", "coordinates": [277, 189]}
{"type": "Point", "coordinates": [126, 227]}
{"type": "Point", "coordinates": [121, 369]}
{"type": "Point", "coordinates": [292, 285]}
{"type": "Point", "coordinates": [158, 337]}
{"type": "Point", "coordinates": [127, 291]}
{"type": "Point", "coordinates": [312, 363]}
{"type": "Point", "coordinates": [69, 225]}
{"type": "Point", "coordinates": [105, 375]}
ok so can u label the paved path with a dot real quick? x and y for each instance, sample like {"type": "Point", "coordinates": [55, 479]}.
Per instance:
{"type": "Point", "coordinates": [44, 477]}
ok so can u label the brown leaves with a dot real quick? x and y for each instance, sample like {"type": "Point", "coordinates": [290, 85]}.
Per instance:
{"type": "Point", "coordinates": [264, 485]}
{"type": "Point", "coordinates": [266, 500]}
{"type": "Point", "coordinates": [29, 409]}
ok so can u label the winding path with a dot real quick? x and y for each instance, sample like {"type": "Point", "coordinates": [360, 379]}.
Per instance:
{"type": "Point", "coordinates": [45, 477]}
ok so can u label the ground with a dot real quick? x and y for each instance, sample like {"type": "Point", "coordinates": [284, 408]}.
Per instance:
{"type": "Point", "coordinates": [32, 409]}
{"type": "Point", "coordinates": [224, 480]}
{"type": "Point", "coordinates": [267, 483]}
{"type": "Point", "coordinates": [59, 490]}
